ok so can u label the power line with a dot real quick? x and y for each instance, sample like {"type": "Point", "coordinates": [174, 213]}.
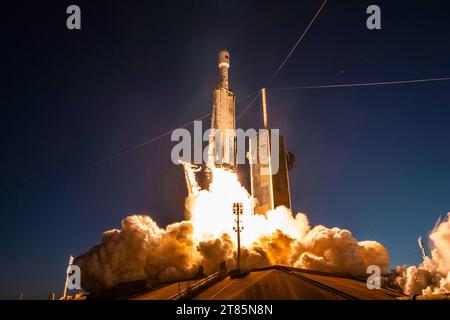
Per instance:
{"type": "Point", "coordinates": [295, 45]}
{"type": "Point", "coordinates": [117, 155]}
{"type": "Point", "coordinates": [285, 59]}
{"type": "Point", "coordinates": [148, 141]}
{"type": "Point", "coordinates": [362, 84]}
{"type": "Point", "coordinates": [248, 95]}
{"type": "Point", "coordinates": [248, 106]}
{"type": "Point", "coordinates": [344, 85]}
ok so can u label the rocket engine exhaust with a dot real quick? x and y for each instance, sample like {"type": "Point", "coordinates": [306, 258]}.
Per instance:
{"type": "Point", "coordinates": [143, 250]}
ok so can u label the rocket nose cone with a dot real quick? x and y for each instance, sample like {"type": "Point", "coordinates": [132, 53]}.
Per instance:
{"type": "Point", "coordinates": [224, 56]}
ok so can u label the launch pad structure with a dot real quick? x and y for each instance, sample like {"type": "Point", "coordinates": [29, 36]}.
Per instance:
{"type": "Point", "coordinates": [269, 182]}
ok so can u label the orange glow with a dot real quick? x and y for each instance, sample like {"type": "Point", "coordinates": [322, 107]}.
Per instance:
{"type": "Point", "coordinates": [212, 212]}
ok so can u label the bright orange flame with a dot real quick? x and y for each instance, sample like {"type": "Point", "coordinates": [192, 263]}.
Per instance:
{"type": "Point", "coordinates": [212, 214]}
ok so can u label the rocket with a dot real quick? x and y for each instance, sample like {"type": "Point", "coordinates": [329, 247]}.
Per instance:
{"type": "Point", "coordinates": [222, 142]}
{"type": "Point", "coordinates": [222, 138]}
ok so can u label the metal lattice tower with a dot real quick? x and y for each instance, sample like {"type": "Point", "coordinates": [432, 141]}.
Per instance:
{"type": "Point", "coordinates": [238, 211]}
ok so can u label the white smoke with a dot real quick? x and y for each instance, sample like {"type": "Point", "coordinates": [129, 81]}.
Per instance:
{"type": "Point", "coordinates": [432, 276]}
{"type": "Point", "coordinates": [142, 250]}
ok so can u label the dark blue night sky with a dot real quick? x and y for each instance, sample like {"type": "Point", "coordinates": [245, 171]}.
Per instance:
{"type": "Point", "coordinates": [375, 160]}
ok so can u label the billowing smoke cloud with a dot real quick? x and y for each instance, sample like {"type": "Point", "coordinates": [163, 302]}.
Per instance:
{"type": "Point", "coordinates": [142, 250]}
{"type": "Point", "coordinates": [335, 250]}
{"type": "Point", "coordinates": [432, 276]}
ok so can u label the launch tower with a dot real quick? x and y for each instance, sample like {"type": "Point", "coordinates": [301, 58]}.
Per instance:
{"type": "Point", "coordinates": [269, 182]}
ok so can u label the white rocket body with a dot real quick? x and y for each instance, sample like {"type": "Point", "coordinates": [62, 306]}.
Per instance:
{"type": "Point", "coordinates": [223, 123]}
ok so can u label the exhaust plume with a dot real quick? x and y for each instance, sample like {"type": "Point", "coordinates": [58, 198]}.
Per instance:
{"type": "Point", "coordinates": [143, 250]}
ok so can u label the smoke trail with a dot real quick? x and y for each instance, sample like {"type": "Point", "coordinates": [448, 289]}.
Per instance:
{"type": "Point", "coordinates": [422, 248]}
{"type": "Point", "coordinates": [432, 276]}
